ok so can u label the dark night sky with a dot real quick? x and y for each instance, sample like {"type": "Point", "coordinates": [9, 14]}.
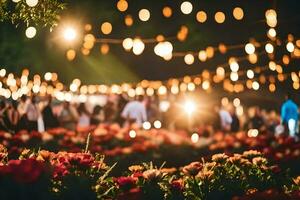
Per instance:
{"type": "Point", "coordinates": [45, 53]}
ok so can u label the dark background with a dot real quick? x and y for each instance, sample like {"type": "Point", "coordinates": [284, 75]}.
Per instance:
{"type": "Point", "coordinates": [46, 53]}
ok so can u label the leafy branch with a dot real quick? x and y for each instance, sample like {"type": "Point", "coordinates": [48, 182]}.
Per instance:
{"type": "Point", "coordinates": [45, 13]}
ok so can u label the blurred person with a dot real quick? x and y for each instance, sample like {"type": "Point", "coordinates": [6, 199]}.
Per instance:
{"type": "Point", "coordinates": [22, 107]}
{"type": "Point", "coordinates": [84, 116]}
{"type": "Point", "coordinates": [135, 111]}
{"type": "Point", "coordinates": [32, 113]}
{"type": "Point", "coordinates": [290, 115]}
{"type": "Point", "coordinates": [225, 119]}
{"type": "Point", "coordinates": [50, 120]}
{"type": "Point", "coordinates": [13, 116]}
{"type": "Point", "coordinates": [256, 121]}
{"type": "Point", "coordinates": [235, 123]}
{"type": "Point", "coordinates": [120, 107]}
{"type": "Point", "coordinates": [97, 115]}
{"type": "Point", "coordinates": [68, 116]}
{"type": "Point", "coordinates": [152, 109]}
{"type": "Point", "coordinates": [110, 112]}
{"type": "Point", "coordinates": [4, 120]}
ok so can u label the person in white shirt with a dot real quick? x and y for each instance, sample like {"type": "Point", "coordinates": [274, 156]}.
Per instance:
{"type": "Point", "coordinates": [225, 119]}
{"type": "Point", "coordinates": [135, 112]}
{"type": "Point", "coordinates": [32, 115]}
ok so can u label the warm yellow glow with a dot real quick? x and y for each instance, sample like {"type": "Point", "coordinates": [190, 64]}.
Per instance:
{"type": "Point", "coordinates": [147, 125]}
{"type": "Point", "coordinates": [250, 48]}
{"type": "Point", "coordinates": [272, 87]}
{"type": "Point", "coordinates": [210, 52]}
{"type": "Point", "coordinates": [167, 11]}
{"type": "Point", "coordinates": [144, 15]}
{"type": "Point", "coordinates": [122, 5]}
{"type": "Point", "coordinates": [234, 66]}
{"type": "Point", "coordinates": [220, 17]}
{"type": "Point", "coordinates": [238, 13]}
{"type": "Point", "coordinates": [71, 54]}
{"type": "Point", "coordinates": [138, 46]}
{"type": "Point", "coordinates": [128, 20]}
{"type": "Point", "coordinates": [236, 102]}
{"type": "Point", "coordinates": [127, 44]}
{"type": "Point", "coordinates": [195, 138]}
{"type": "Point", "coordinates": [269, 48]}
{"type": "Point", "coordinates": [191, 86]}
{"type": "Point", "coordinates": [222, 48]}
{"type": "Point", "coordinates": [220, 71]}
{"type": "Point", "coordinates": [106, 28]}
{"type": "Point", "coordinates": [163, 49]}
{"type": "Point", "coordinates": [189, 59]}
{"type": "Point", "coordinates": [202, 56]}
{"type": "Point", "coordinates": [69, 34]}
{"type": "Point", "coordinates": [157, 124]}
{"type": "Point", "coordinates": [252, 58]}
{"type": "Point", "coordinates": [201, 16]}
{"type": "Point", "coordinates": [271, 17]}
{"type": "Point", "coordinates": [234, 76]}
{"type": "Point", "coordinates": [186, 7]}
{"type": "Point", "coordinates": [252, 133]}
{"type": "Point", "coordinates": [104, 49]}
{"type": "Point", "coordinates": [272, 32]}
{"type": "Point", "coordinates": [48, 76]}
{"type": "Point", "coordinates": [296, 85]}
{"type": "Point", "coordinates": [32, 3]}
{"type": "Point", "coordinates": [189, 107]}
{"type": "Point", "coordinates": [205, 85]}
{"type": "Point", "coordinates": [132, 133]}
{"type": "Point", "coordinates": [290, 47]}
{"type": "Point", "coordinates": [286, 59]}
{"type": "Point", "coordinates": [150, 91]}
{"type": "Point", "coordinates": [272, 65]}
{"type": "Point", "coordinates": [88, 27]}
{"type": "Point", "coordinates": [162, 90]}
{"type": "Point", "coordinates": [255, 85]}
{"type": "Point", "coordinates": [30, 32]}
{"type": "Point", "coordinates": [250, 74]}
{"type": "Point", "coordinates": [2, 72]}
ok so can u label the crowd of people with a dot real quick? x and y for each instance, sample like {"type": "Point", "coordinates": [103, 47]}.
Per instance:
{"type": "Point", "coordinates": [42, 113]}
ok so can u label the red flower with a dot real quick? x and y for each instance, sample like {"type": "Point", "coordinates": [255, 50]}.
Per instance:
{"type": "Point", "coordinates": [177, 185]}
{"type": "Point", "coordinates": [125, 183]}
{"type": "Point", "coordinates": [26, 171]}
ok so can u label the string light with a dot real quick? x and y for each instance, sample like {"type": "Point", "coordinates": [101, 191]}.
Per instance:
{"type": "Point", "coordinates": [138, 46]}
{"type": "Point", "coordinates": [144, 15]}
{"type": "Point", "coordinates": [195, 138]}
{"type": "Point", "coordinates": [106, 28]}
{"type": "Point", "coordinates": [238, 13]}
{"type": "Point", "coordinates": [71, 54]}
{"type": "Point", "coordinates": [250, 74]}
{"type": "Point", "coordinates": [186, 7]}
{"type": "Point", "coordinates": [147, 125]}
{"type": "Point", "coordinates": [30, 32]}
{"type": "Point", "coordinates": [132, 133]}
{"type": "Point", "coordinates": [167, 12]}
{"type": "Point", "coordinates": [290, 47]}
{"type": "Point", "coordinates": [272, 32]}
{"type": "Point", "coordinates": [269, 48]}
{"type": "Point", "coordinates": [128, 20]}
{"type": "Point", "coordinates": [127, 44]}
{"type": "Point", "coordinates": [220, 17]}
{"type": "Point", "coordinates": [189, 59]}
{"type": "Point", "coordinates": [250, 48]}
{"type": "Point", "coordinates": [32, 3]}
{"type": "Point", "coordinates": [157, 124]}
{"type": "Point", "coordinates": [201, 16]}
{"type": "Point", "coordinates": [122, 5]}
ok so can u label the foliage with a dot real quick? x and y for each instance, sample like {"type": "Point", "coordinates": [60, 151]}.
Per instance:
{"type": "Point", "coordinates": [64, 175]}
{"type": "Point", "coordinates": [45, 13]}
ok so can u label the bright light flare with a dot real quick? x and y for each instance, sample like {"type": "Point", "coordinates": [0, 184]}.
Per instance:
{"type": "Point", "coordinates": [189, 107]}
{"type": "Point", "coordinates": [69, 34]}
{"type": "Point", "coordinates": [195, 138]}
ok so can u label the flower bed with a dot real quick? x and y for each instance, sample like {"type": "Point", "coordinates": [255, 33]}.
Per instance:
{"type": "Point", "coordinates": [62, 175]}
